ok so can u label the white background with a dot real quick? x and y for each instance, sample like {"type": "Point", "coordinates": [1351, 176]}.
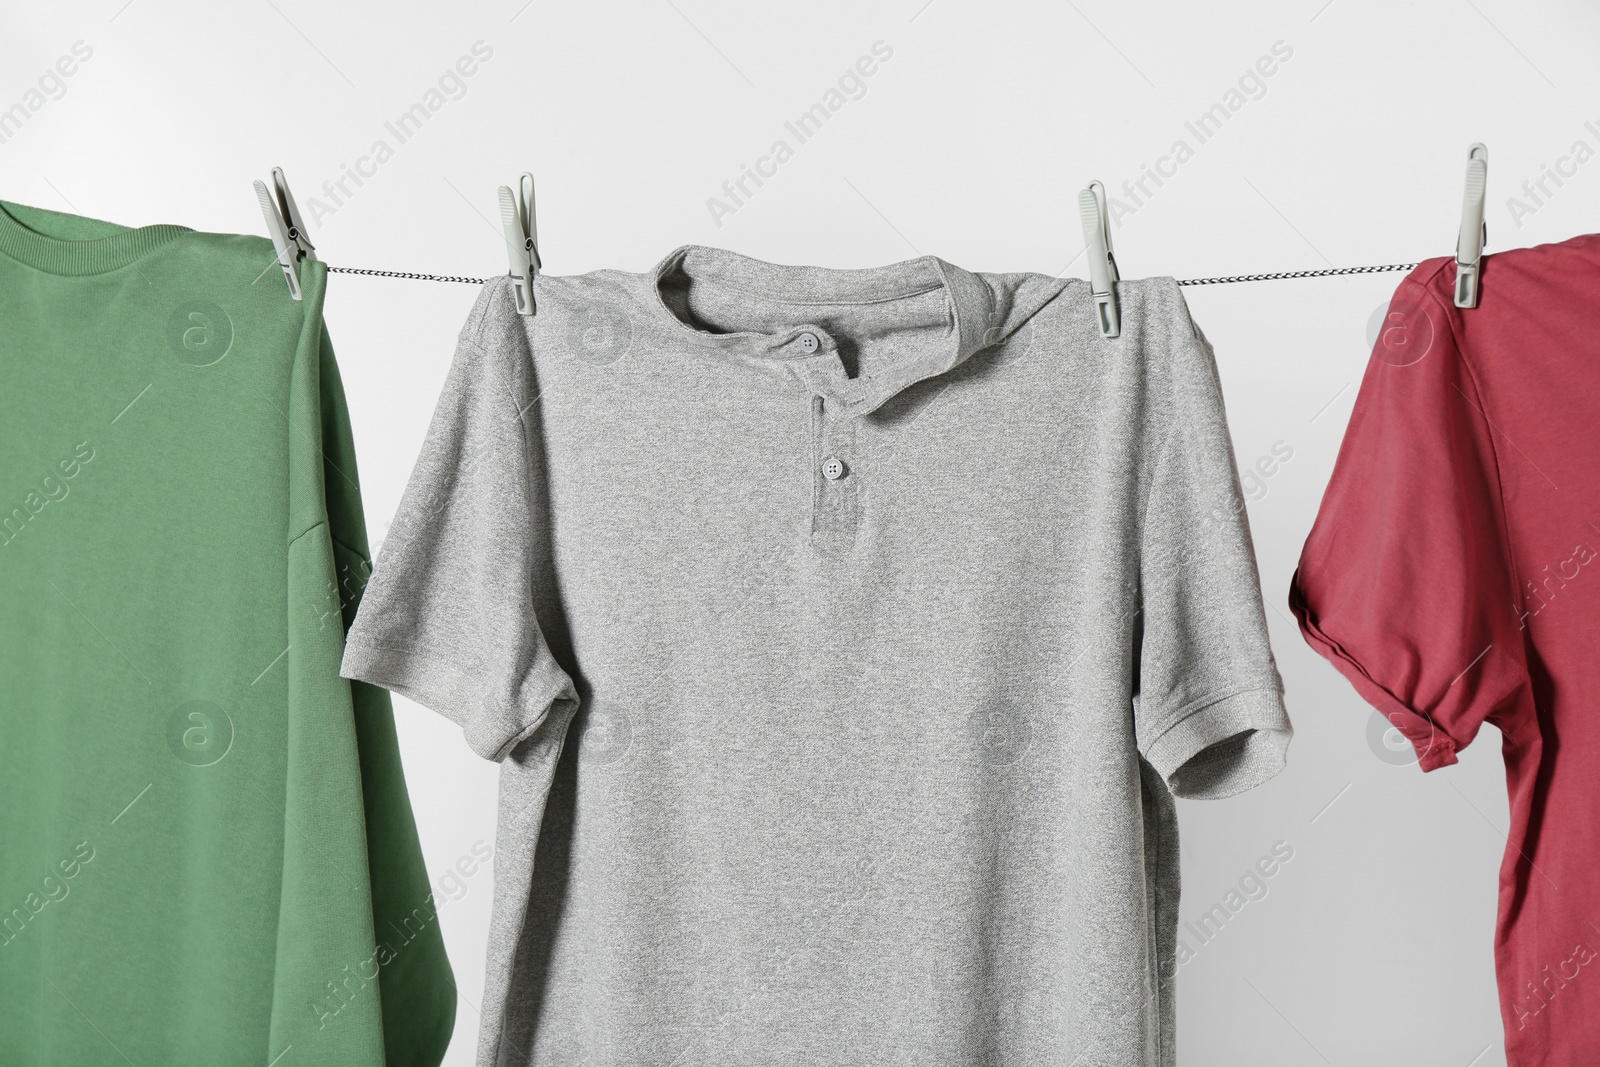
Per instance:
{"type": "Point", "coordinates": [1373, 945]}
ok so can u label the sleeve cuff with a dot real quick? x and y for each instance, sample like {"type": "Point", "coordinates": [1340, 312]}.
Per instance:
{"type": "Point", "coordinates": [492, 727]}
{"type": "Point", "coordinates": [1434, 747]}
{"type": "Point", "coordinates": [1223, 746]}
{"type": "Point", "coordinates": [1438, 752]}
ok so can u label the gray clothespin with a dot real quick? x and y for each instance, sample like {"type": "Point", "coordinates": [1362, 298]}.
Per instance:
{"type": "Point", "coordinates": [1474, 231]}
{"type": "Point", "coordinates": [522, 240]}
{"type": "Point", "coordinates": [1103, 274]}
{"type": "Point", "coordinates": [286, 227]}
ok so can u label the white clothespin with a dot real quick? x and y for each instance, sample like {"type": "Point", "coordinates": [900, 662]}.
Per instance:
{"type": "Point", "coordinates": [1474, 231]}
{"type": "Point", "coordinates": [522, 240]}
{"type": "Point", "coordinates": [286, 227]}
{"type": "Point", "coordinates": [1103, 274]}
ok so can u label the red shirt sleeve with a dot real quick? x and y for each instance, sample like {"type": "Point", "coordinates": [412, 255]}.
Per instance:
{"type": "Point", "coordinates": [1406, 583]}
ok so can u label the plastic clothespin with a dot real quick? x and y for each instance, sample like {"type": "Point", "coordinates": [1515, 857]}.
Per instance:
{"type": "Point", "coordinates": [1474, 231]}
{"type": "Point", "coordinates": [286, 227]}
{"type": "Point", "coordinates": [522, 240]}
{"type": "Point", "coordinates": [1103, 274]}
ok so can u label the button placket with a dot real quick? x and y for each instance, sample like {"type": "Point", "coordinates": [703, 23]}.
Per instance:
{"type": "Point", "coordinates": [836, 503]}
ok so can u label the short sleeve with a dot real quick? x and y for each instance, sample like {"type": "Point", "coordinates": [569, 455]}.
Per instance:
{"type": "Point", "coordinates": [1209, 713]}
{"type": "Point", "coordinates": [1405, 583]}
{"type": "Point", "coordinates": [448, 617]}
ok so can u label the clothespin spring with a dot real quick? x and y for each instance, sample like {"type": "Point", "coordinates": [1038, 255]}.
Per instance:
{"type": "Point", "coordinates": [286, 228]}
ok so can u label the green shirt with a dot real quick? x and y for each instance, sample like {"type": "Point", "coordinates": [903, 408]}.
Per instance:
{"type": "Point", "coordinates": [209, 855]}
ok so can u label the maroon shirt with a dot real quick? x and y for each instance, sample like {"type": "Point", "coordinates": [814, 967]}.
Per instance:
{"type": "Point", "coordinates": [1453, 575]}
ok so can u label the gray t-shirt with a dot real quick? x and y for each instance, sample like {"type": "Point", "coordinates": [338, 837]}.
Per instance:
{"type": "Point", "coordinates": [844, 636]}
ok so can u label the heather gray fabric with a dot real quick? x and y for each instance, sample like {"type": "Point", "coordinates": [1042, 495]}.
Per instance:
{"type": "Point", "coordinates": [873, 768]}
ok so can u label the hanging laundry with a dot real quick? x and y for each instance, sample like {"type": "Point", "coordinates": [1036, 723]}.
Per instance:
{"type": "Point", "coordinates": [209, 854]}
{"type": "Point", "coordinates": [1453, 575]}
{"type": "Point", "coordinates": [844, 637]}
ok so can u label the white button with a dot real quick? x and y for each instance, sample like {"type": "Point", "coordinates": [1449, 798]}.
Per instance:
{"type": "Point", "coordinates": [832, 469]}
{"type": "Point", "coordinates": [809, 342]}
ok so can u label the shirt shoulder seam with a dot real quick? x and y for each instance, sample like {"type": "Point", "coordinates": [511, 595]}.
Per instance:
{"type": "Point", "coordinates": [1501, 512]}
{"type": "Point", "coordinates": [1197, 347]}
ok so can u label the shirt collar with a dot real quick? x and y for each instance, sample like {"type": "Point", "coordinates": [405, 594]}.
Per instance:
{"type": "Point", "coordinates": [970, 303]}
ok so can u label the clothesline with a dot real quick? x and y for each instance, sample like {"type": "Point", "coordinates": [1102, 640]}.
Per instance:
{"type": "Point", "coordinates": [1328, 273]}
